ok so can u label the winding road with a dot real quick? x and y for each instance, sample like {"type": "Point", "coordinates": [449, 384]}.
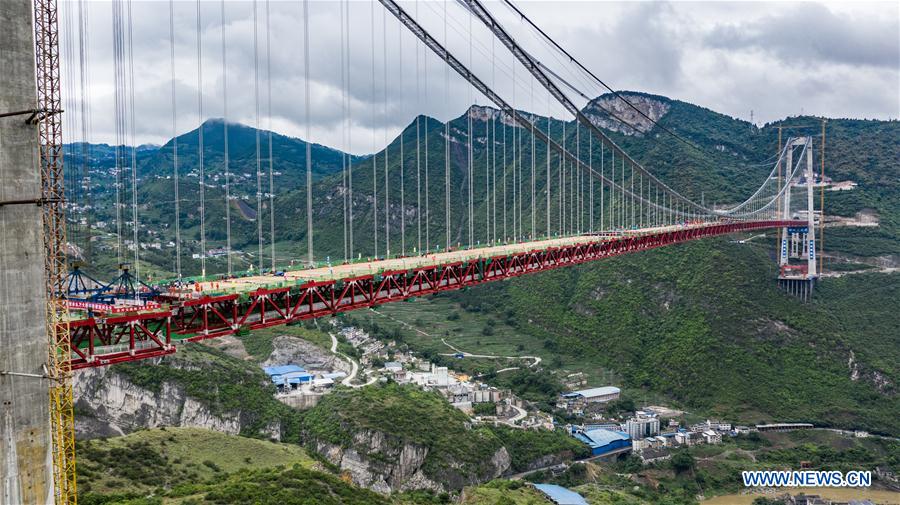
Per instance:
{"type": "Point", "coordinates": [353, 363]}
{"type": "Point", "coordinates": [536, 359]}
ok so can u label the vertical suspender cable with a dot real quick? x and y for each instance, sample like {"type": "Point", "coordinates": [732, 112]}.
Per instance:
{"type": "Point", "coordinates": [520, 170]}
{"type": "Point", "coordinates": [344, 127]}
{"type": "Point", "coordinates": [573, 202]}
{"type": "Point", "coordinates": [623, 207]}
{"type": "Point", "coordinates": [309, 223]}
{"type": "Point", "coordinates": [533, 168]}
{"type": "Point", "coordinates": [579, 199]}
{"type": "Point", "coordinates": [494, 148]}
{"type": "Point", "coordinates": [591, 184]}
{"type": "Point", "coordinates": [548, 167]}
{"type": "Point", "coordinates": [489, 148]}
{"type": "Point", "coordinates": [402, 131]}
{"type": "Point", "coordinates": [350, 248]}
{"type": "Point", "coordinates": [225, 160]}
{"type": "Point", "coordinates": [374, 139]}
{"type": "Point", "coordinates": [425, 87]}
{"type": "Point", "coordinates": [560, 187]}
{"type": "Point", "coordinates": [134, 211]}
{"type": "Point", "coordinates": [175, 140]}
{"type": "Point", "coordinates": [343, 132]}
{"type": "Point", "coordinates": [387, 180]}
{"type": "Point", "coordinates": [641, 200]}
{"type": "Point", "coordinates": [269, 134]}
{"type": "Point", "coordinates": [259, 212]}
{"type": "Point", "coordinates": [70, 105]}
{"type": "Point", "coordinates": [470, 168]}
{"type": "Point", "coordinates": [446, 137]}
{"type": "Point", "coordinates": [505, 202]}
{"type": "Point", "coordinates": [117, 52]}
{"type": "Point", "coordinates": [418, 140]}
{"type": "Point", "coordinates": [86, 126]}
{"type": "Point", "coordinates": [562, 184]}
{"type": "Point", "coordinates": [202, 173]}
{"type": "Point", "coordinates": [632, 197]}
{"type": "Point", "coordinates": [515, 136]}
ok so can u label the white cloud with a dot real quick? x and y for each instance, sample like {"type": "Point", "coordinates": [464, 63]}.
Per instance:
{"type": "Point", "coordinates": [774, 58]}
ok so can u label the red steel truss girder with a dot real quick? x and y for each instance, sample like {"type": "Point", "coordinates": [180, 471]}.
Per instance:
{"type": "Point", "coordinates": [146, 335]}
{"type": "Point", "coordinates": [216, 316]}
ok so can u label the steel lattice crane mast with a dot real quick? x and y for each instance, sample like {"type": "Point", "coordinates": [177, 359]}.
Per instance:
{"type": "Point", "coordinates": [49, 120]}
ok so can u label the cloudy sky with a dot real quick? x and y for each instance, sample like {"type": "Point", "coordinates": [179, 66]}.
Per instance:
{"type": "Point", "coordinates": [775, 58]}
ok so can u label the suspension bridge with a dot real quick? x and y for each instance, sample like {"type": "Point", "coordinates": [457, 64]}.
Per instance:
{"type": "Point", "coordinates": [551, 193]}
{"type": "Point", "coordinates": [568, 194]}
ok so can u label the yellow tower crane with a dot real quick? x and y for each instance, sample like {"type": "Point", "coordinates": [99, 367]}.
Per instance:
{"type": "Point", "coordinates": [49, 121]}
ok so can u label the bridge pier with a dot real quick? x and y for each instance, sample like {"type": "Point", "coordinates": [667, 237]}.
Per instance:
{"type": "Point", "coordinates": [25, 450]}
{"type": "Point", "coordinates": [800, 288]}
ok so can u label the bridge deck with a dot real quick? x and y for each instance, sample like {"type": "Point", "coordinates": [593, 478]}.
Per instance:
{"type": "Point", "coordinates": [350, 270]}
{"type": "Point", "coordinates": [212, 309]}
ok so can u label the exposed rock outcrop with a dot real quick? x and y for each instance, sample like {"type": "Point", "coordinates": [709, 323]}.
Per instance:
{"type": "Point", "coordinates": [109, 404]}
{"type": "Point", "coordinates": [385, 464]}
{"type": "Point", "coordinates": [288, 349]}
{"type": "Point", "coordinates": [611, 113]}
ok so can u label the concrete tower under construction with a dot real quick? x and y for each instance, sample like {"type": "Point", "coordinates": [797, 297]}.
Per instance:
{"type": "Point", "coordinates": [25, 442]}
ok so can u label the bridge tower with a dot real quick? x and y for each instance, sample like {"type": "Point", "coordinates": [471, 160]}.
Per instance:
{"type": "Point", "coordinates": [798, 243]}
{"type": "Point", "coordinates": [26, 469]}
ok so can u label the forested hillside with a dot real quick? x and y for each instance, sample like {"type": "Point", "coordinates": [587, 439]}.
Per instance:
{"type": "Point", "coordinates": [701, 323]}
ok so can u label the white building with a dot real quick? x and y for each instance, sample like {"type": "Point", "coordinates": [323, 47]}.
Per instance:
{"type": "Point", "coordinates": [712, 437]}
{"type": "Point", "coordinates": [642, 425]}
{"type": "Point", "coordinates": [682, 438]}
{"type": "Point", "coordinates": [393, 366]}
{"type": "Point", "coordinates": [440, 377]}
{"type": "Point", "coordinates": [595, 395]}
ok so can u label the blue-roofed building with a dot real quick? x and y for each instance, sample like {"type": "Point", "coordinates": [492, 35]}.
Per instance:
{"type": "Point", "coordinates": [604, 441]}
{"type": "Point", "coordinates": [560, 495]}
{"type": "Point", "coordinates": [288, 375]}
{"type": "Point", "coordinates": [292, 379]}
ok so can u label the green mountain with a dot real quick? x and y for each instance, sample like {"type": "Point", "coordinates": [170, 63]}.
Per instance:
{"type": "Point", "coordinates": [701, 324]}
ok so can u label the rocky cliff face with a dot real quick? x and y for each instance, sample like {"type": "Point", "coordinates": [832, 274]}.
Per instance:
{"type": "Point", "coordinates": [384, 464]}
{"type": "Point", "coordinates": [288, 349]}
{"type": "Point", "coordinates": [108, 404]}
{"type": "Point", "coordinates": [614, 114]}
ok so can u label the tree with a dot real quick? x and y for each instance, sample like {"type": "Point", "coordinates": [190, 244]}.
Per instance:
{"type": "Point", "coordinates": [683, 461]}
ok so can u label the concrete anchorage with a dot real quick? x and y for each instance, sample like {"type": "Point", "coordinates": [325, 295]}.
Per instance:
{"type": "Point", "coordinates": [25, 450]}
